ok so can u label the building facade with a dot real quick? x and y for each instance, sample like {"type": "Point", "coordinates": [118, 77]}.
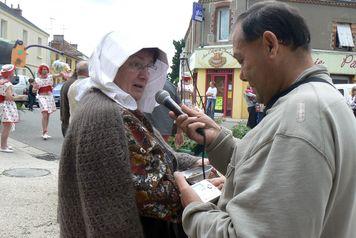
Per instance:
{"type": "Point", "coordinates": [13, 26]}
{"type": "Point", "coordinates": [208, 47]}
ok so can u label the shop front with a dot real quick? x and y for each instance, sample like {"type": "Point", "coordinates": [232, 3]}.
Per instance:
{"type": "Point", "coordinates": [217, 64]}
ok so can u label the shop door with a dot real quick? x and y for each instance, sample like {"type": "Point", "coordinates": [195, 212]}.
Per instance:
{"type": "Point", "coordinates": [223, 84]}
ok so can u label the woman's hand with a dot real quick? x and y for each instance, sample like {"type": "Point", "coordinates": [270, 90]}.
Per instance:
{"type": "Point", "coordinates": [9, 95]}
{"type": "Point", "coordinates": [179, 139]}
{"type": "Point", "coordinates": [199, 163]}
{"type": "Point", "coordinates": [193, 120]}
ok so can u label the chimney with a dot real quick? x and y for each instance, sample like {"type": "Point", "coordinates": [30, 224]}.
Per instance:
{"type": "Point", "coordinates": [74, 46]}
{"type": "Point", "coordinates": [17, 10]}
{"type": "Point", "coordinates": [59, 38]}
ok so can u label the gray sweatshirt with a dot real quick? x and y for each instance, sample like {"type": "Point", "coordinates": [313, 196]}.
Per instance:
{"type": "Point", "coordinates": [293, 175]}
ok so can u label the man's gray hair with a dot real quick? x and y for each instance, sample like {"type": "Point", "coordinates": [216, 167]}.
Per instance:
{"type": "Point", "coordinates": [82, 68]}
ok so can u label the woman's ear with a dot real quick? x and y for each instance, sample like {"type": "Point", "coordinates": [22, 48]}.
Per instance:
{"type": "Point", "coordinates": [270, 43]}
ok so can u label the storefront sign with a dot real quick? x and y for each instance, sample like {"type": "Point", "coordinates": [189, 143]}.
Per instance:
{"type": "Point", "coordinates": [219, 57]}
{"type": "Point", "coordinates": [336, 62]}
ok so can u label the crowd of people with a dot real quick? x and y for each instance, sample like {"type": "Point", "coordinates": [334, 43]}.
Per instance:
{"type": "Point", "coordinates": [292, 175]}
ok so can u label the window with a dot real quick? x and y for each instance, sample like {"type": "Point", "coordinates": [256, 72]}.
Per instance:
{"type": "Point", "coordinates": [39, 50]}
{"type": "Point", "coordinates": [344, 37]}
{"type": "Point", "coordinates": [3, 29]}
{"type": "Point", "coordinates": [223, 24]}
{"type": "Point", "coordinates": [24, 37]}
{"type": "Point", "coordinates": [340, 79]}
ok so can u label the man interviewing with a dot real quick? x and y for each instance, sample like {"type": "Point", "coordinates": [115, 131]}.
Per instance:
{"type": "Point", "coordinates": [293, 175]}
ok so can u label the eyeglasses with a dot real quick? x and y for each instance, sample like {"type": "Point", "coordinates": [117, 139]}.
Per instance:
{"type": "Point", "coordinates": [138, 66]}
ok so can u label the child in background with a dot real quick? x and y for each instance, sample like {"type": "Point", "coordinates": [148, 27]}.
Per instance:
{"type": "Point", "coordinates": [32, 92]}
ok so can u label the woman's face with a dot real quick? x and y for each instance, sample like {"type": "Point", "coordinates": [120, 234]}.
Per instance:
{"type": "Point", "coordinates": [44, 71]}
{"type": "Point", "coordinates": [133, 75]}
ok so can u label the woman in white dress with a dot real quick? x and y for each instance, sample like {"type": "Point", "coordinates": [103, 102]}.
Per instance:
{"type": "Point", "coordinates": [44, 84]}
{"type": "Point", "coordinates": [8, 109]}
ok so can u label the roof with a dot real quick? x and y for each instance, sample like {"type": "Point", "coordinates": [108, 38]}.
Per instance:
{"type": "Point", "coordinates": [67, 49]}
{"type": "Point", "coordinates": [10, 11]}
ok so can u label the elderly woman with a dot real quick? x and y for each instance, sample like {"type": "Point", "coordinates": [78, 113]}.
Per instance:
{"type": "Point", "coordinates": [116, 171]}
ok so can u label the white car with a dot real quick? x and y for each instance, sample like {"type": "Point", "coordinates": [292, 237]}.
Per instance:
{"type": "Point", "coordinates": [345, 89]}
{"type": "Point", "coordinates": [20, 87]}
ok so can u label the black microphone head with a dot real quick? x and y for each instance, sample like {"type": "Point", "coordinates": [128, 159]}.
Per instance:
{"type": "Point", "coordinates": [161, 95]}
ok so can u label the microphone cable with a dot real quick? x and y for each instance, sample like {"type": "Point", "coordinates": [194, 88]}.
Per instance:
{"type": "Point", "coordinates": [202, 133]}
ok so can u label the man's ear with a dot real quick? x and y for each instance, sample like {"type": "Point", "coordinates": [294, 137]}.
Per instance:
{"type": "Point", "coordinates": [270, 43]}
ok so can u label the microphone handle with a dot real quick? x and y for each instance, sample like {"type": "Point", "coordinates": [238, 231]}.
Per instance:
{"type": "Point", "coordinates": [177, 111]}
{"type": "Point", "coordinates": [171, 105]}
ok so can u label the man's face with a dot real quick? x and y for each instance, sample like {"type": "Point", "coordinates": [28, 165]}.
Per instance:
{"type": "Point", "coordinates": [253, 64]}
{"type": "Point", "coordinates": [133, 75]}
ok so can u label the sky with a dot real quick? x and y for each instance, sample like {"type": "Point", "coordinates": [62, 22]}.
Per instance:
{"type": "Point", "coordinates": [85, 22]}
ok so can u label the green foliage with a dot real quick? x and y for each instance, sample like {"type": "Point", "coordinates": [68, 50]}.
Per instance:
{"type": "Point", "coordinates": [173, 76]}
{"type": "Point", "coordinates": [187, 146]}
{"type": "Point", "coordinates": [240, 130]}
{"type": "Point", "coordinates": [219, 120]}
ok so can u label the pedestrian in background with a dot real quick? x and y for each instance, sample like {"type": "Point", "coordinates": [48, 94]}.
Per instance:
{"type": "Point", "coordinates": [44, 85]}
{"type": "Point", "coordinates": [352, 100]}
{"type": "Point", "coordinates": [250, 98]}
{"type": "Point", "coordinates": [294, 174]}
{"type": "Point", "coordinates": [32, 92]}
{"type": "Point", "coordinates": [161, 120]}
{"type": "Point", "coordinates": [211, 99]}
{"type": "Point", "coordinates": [68, 101]}
{"type": "Point", "coordinates": [82, 72]}
{"type": "Point", "coordinates": [8, 109]}
{"type": "Point", "coordinates": [260, 112]}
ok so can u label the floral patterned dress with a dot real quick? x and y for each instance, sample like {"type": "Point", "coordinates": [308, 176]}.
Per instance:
{"type": "Point", "coordinates": [46, 101]}
{"type": "Point", "coordinates": [8, 109]}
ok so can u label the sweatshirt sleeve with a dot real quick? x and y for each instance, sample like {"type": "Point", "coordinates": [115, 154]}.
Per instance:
{"type": "Point", "coordinates": [280, 191]}
{"type": "Point", "coordinates": [221, 149]}
{"type": "Point", "coordinates": [104, 176]}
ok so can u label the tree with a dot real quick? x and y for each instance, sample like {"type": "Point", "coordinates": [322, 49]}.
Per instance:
{"type": "Point", "coordinates": [173, 76]}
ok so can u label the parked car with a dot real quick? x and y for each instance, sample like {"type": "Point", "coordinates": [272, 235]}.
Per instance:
{"type": "Point", "coordinates": [345, 89]}
{"type": "Point", "coordinates": [57, 94]}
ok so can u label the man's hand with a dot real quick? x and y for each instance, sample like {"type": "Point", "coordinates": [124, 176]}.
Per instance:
{"type": "Point", "coordinates": [188, 195]}
{"type": "Point", "coordinates": [218, 182]}
{"type": "Point", "coordinates": [193, 120]}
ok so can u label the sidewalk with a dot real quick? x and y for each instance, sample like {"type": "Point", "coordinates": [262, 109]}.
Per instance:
{"type": "Point", "coordinates": [28, 205]}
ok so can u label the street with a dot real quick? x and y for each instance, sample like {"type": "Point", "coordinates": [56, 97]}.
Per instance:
{"type": "Point", "coordinates": [29, 131]}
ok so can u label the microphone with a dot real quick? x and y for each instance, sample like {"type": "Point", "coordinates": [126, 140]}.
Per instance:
{"type": "Point", "coordinates": [162, 97]}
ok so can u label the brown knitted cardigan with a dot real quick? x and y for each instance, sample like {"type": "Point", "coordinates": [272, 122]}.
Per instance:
{"type": "Point", "coordinates": [96, 193]}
